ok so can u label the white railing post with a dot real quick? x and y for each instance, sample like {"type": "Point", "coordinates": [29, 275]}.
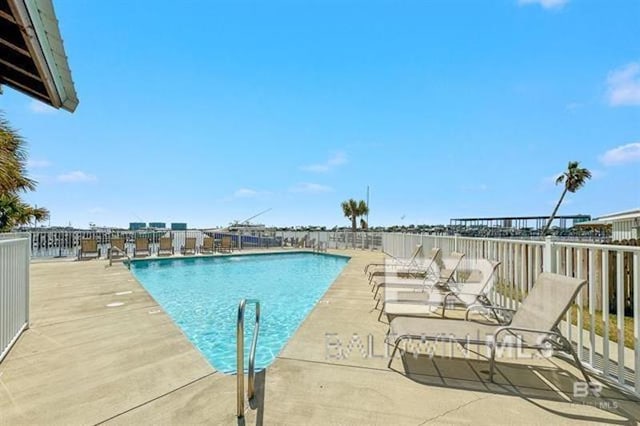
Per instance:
{"type": "Point", "coordinates": [548, 259]}
{"type": "Point", "coordinates": [455, 242]}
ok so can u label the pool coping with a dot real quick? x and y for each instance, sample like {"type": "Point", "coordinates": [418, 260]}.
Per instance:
{"type": "Point", "coordinates": [223, 255]}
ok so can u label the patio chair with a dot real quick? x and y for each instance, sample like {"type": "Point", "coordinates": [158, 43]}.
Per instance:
{"type": "Point", "coordinates": [189, 246]}
{"type": "Point", "coordinates": [533, 326]}
{"type": "Point", "coordinates": [446, 266]}
{"type": "Point", "coordinates": [226, 245]}
{"type": "Point", "coordinates": [166, 246]}
{"type": "Point", "coordinates": [466, 294]}
{"type": "Point", "coordinates": [142, 247]}
{"type": "Point", "coordinates": [117, 249]}
{"type": "Point", "coordinates": [88, 249]}
{"type": "Point", "coordinates": [207, 245]}
{"type": "Point", "coordinates": [395, 261]}
{"type": "Point", "coordinates": [414, 267]}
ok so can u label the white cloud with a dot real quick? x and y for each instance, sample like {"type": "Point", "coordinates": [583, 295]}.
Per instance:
{"type": "Point", "coordinates": [38, 107]}
{"type": "Point", "coordinates": [245, 193]}
{"type": "Point", "coordinates": [38, 164]}
{"type": "Point", "coordinates": [249, 193]}
{"type": "Point", "coordinates": [338, 159]}
{"type": "Point", "coordinates": [623, 154]}
{"type": "Point", "coordinates": [623, 85]}
{"type": "Point", "coordinates": [546, 4]}
{"type": "Point", "coordinates": [311, 188]}
{"type": "Point", "coordinates": [76, 176]}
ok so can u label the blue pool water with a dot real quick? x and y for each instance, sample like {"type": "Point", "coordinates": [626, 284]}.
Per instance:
{"type": "Point", "coordinates": [202, 296]}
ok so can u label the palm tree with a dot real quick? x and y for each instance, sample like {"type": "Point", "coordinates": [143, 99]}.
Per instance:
{"type": "Point", "coordinates": [353, 209]}
{"type": "Point", "coordinates": [13, 212]}
{"type": "Point", "coordinates": [573, 178]}
{"type": "Point", "coordinates": [13, 180]}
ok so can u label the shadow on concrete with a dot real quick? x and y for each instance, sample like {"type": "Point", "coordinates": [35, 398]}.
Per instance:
{"type": "Point", "coordinates": [257, 402]}
{"type": "Point", "coordinates": [533, 383]}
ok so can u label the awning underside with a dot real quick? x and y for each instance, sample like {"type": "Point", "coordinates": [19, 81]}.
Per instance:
{"type": "Point", "coordinates": [19, 54]}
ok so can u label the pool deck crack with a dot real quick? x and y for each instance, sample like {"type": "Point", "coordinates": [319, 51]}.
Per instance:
{"type": "Point", "coordinates": [156, 398]}
{"type": "Point", "coordinates": [446, 413]}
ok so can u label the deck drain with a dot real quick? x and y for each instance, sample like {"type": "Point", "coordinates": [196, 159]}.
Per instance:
{"type": "Point", "coordinates": [122, 293]}
{"type": "Point", "coordinates": [155, 311]}
{"type": "Point", "coordinates": [114, 304]}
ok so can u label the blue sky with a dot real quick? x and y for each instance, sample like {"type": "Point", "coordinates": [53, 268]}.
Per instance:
{"type": "Point", "coordinates": [208, 112]}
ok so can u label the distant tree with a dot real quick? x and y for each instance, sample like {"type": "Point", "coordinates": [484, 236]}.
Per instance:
{"type": "Point", "coordinates": [574, 178]}
{"type": "Point", "coordinates": [363, 224]}
{"type": "Point", "coordinates": [14, 180]}
{"type": "Point", "coordinates": [353, 209]}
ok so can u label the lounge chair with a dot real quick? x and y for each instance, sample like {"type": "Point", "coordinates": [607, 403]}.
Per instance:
{"type": "Point", "coordinates": [166, 246]}
{"type": "Point", "coordinates": [395, 261]}
{"type": "Point", "coordinates": [226, 245]}
{"type": "Point", "coordinates": [447, 267]}
{"type": "Point", "coordinates": [469, 293]}
{"type": "Point", "coordinates": [117, 249]}
{"type": "Point", "coordinates": [416, 267]}
{"type": "Point", "coordinates": [142, 247]}
{"type": "Point", "coordinates": [533, 326]}
{"type": "Point", "coordinates": [207, 245]}
{"type": "Point", "coordinates": [88, 249]}
{"type": "Point", "coordinates": [189, 246]}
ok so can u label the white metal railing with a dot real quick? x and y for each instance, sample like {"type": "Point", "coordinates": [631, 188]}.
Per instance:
{"type": "Point", "coordinates": [66, 243]}
{"type": "Point", "coordinates": [604, 322]}
{"type": "Point", "coordinates": [14, 289]}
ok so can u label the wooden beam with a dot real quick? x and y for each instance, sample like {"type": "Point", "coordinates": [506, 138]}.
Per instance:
{"type": "Point", "coordinates": [14, 47]}
{"type": "Point", "coordinates": [8, 17]}
{"type": "Point", "coordinates": [28, 90]}
{"type": "Point", "coordinates": [20, 70]}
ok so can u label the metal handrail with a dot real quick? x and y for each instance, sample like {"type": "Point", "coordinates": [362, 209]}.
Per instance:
{"type": "Point", "coordinates": [123, 252]}
{"type": "Point", "coordinates": [240, 355]}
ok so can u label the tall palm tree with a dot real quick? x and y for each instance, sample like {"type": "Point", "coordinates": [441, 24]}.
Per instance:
{"type": "Point", "coordinates": [573, 178]}
{"type": "Point", "coordinates": [13, 180]}
{"type": "Point", "coordinates": [353, 209]}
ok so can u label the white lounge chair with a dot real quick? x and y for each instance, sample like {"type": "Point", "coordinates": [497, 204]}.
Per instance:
{"type": "Point", "coordinates": [533, 326]}
{"type": "Point", "coordinates": [468, 293]}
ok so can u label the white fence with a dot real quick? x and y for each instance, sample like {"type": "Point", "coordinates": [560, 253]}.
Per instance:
{"type": "Point", "coordinates": [14, 289]}
{"type": "Point", "coordinates": [66, 243]}
{"type": "Point", "coordinates": [604, 322]}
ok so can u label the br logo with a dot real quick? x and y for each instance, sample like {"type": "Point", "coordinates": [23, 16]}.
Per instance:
{"type": "Point", "coordinates": [583, 389]}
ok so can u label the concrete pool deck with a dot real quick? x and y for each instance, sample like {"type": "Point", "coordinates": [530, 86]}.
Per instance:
{"type": "Point", "coordinates": [100, 350]}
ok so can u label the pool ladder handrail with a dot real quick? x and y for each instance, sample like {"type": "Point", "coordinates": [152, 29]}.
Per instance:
{"type": "Point", "coordinates": [240, 355]}
{"type": "Point", "coordinates": [128, 261]}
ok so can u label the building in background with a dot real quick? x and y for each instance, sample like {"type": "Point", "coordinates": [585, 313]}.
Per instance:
{"type": "Point", "coordinates": [158, 225]}
{"type": "Point", "coordinates": [136, 226]}
{"type": "Point", "coordinates": [624, 225]}
{"type": "Point", "coordinates": [178, 226]}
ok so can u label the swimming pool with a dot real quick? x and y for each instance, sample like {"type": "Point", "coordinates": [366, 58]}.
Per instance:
{"type": "Point", "coordinates": [202, 294]}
